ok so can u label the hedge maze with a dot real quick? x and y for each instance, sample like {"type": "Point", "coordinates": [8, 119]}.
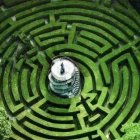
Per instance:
{"type": "Point", "coordinates": [103, 37]}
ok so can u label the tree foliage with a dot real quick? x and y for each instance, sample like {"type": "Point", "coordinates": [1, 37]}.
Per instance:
{"type": "Point", "coordinates": [5, 125]}
{"type": "Point", "coordinates": [132, 131]}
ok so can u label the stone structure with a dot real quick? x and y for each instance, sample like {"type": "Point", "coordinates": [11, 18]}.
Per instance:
{"type": "Point", "coordinates": [64, 77]}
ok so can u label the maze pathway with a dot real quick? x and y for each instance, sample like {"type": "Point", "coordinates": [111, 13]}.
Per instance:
{"type": "Point", "coordinates": [103, 37]}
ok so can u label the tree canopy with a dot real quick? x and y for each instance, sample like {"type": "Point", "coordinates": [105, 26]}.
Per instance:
{"type": "Point", "coordinates": [132, 132]}
{"type": "Point", "coordinates": [5, 125]}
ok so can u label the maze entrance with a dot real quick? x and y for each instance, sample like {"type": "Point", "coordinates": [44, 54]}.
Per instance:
{"type": "Point", "coordinates": [101, 36]}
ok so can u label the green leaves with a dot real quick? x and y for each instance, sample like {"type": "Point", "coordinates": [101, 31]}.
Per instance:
{"type": "Point", "coordinates": [132, 131]}
{"type": "Point", "coordinates": [5, 125]}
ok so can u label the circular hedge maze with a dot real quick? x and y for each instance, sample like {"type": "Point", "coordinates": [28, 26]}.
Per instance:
{"type": "Point", "coordinates": [102, 36]}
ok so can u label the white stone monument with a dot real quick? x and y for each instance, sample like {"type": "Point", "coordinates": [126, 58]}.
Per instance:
{"type": "Point", "coordinates": [64, 77]}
